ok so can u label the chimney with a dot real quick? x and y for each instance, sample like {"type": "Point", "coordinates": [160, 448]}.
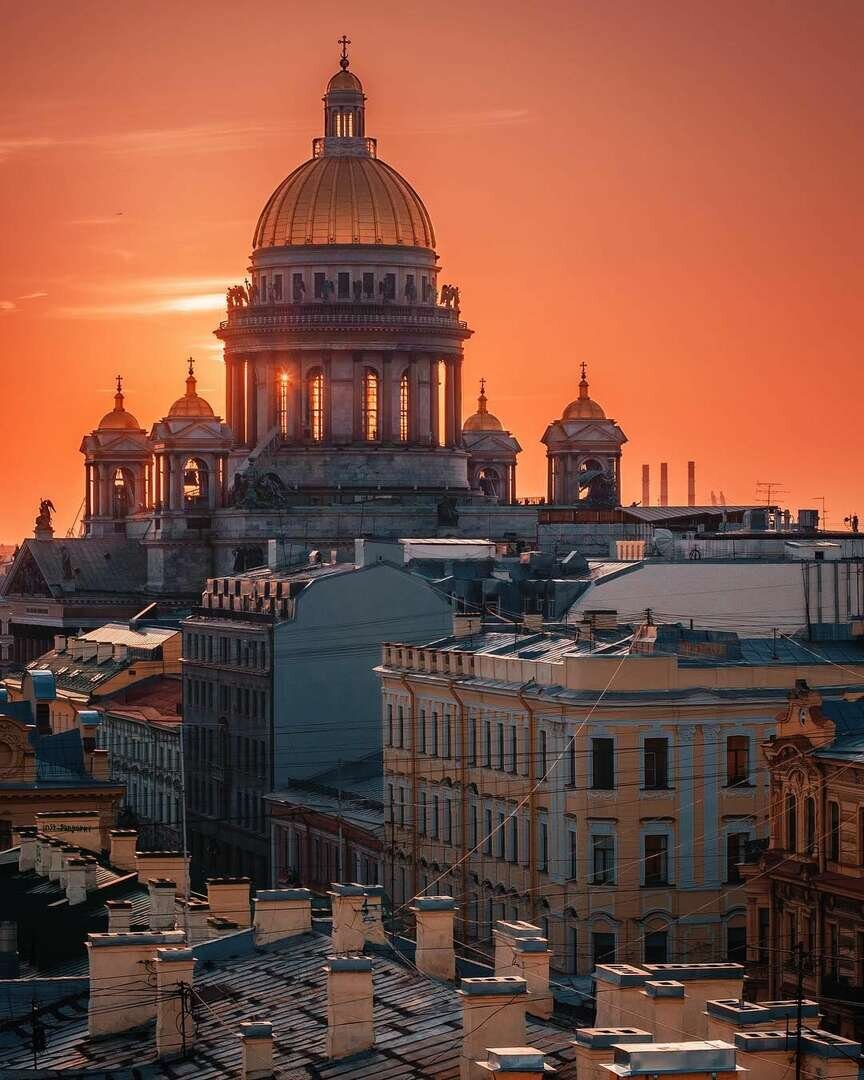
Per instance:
{"type": "Point", "coordinates": [59, 643]}
{"type": "Point", "coordinates": [521, 950]}
{"type": "Point", "coordinates": [193, 916]}
{"type": "Point", "coordinates": [595, 1047]}
{"type": "Point", "coordinates": [104, 651]}
{"type": "Point", "coordinates": [257, 1042]}
{"type": "Point", "coordinates": [228, 898]}
{"type": "Point", "coordinates": [164, 864]}
{"type": "Point", "coordinates": [714, 1061]}
{"type": "Point", "coordinates": [76, 881]}
{"type": "Point", "coordinates": [725, 1018]}
{"type": "Point", "coordinates": [119, 916]}
{"type": "Point", "coordinates": [350, 1027]}
{"type": "Point", "coordinates": [162, 893]}
{"type": "Point", "coordinates": [646, 485]}
{"type": "Point", "coordinates": [691, 483]}
{"type": "Point", "coordinates": [619, 997]}
{"type": "Point", "coordinates": [122, 995]}
{"type": "Point", "coordinates": [664, 1009]}
{"type": "Point", "coordinates": [703, 983]}
{"type": "Point", "coordinates": [219, 927]}
{"type": "Point", "coordinates": [55, 862]}
{"type": "Point", "coordinates": [281, 913]}
{"type": "Point", "coordinates": [515, 1062]}
{"type": "Point", "coordinates": [88, 650]}
{"type": "Point", "coordinates": [9, 950]}
{"type": "Point", "coordinates": [97, 764]}
{"type": "Point", "coordinates": [435, 955]}
{"type": "Point", "coordinates": [122, 851]}
{"type": "Point", "coordinates": [91, 865]}
{"type": "Point", "coordinates": [42, 860]}
{"type": "Point", "coordinates": [25, 838]}
{"type": "Point", "coordinates": [121, 652]}
{"type": "Point", "coordinates": [493, 1013]}
{"type": "Point", "coordinates": [175, 1029]}
{"type": "Point", "coordinates": [466, 625]}
{"type": "Point", "coordinates": [356, 916]}
{"type": "Point", "coordinates": [664, 483]}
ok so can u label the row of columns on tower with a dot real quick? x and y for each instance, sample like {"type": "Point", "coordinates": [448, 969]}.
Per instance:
{"type": "Point", "coordinates": [175, 481]}
{"type": "Point", "coordinates": [273, 395]}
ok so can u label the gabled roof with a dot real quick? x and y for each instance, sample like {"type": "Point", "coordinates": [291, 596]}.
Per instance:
{"type": "Point", "coordinates": [80, 565]}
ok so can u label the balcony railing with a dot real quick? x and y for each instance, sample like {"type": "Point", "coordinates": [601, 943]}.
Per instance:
{"type": "Point", "coordinates": [341, 313]}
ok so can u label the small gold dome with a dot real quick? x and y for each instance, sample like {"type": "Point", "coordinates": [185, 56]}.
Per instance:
{"type": "Point", "coordinates": [345, 80]}
{"type": "Point", "coordinates": [191, 404]}
{"type": "Point", "coordinates": [583, 408]}
{"type": "Point", "coordinates": [343, 199]}
{"type": "Point", "coordinates": [118, 419]}
{"type": "Point", "coordinates": [482, 420]}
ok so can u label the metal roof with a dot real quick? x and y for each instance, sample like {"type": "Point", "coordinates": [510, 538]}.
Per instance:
{"type": "Point", "coordinates": [418, 1024]}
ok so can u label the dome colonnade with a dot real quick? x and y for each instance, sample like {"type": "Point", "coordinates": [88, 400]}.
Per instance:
{"type": "Point", "coordinates": [340, 346]}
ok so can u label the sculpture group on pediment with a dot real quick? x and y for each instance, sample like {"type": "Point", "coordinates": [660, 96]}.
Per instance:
{"type": "Point", "coordinates": [252, 490]}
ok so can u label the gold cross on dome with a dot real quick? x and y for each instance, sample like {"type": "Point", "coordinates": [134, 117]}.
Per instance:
{"type": "Point", "coordinates": [344, 42]}
{"type": "Point", "coordinates": [584, 369]}
{"type": "Point", "coordinates": [119, 384]}
{"type": "Point", "coordinates": [483, 386]}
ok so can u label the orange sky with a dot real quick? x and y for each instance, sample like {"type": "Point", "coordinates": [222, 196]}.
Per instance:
{"type": "Point", "coordinates": [668, 189]}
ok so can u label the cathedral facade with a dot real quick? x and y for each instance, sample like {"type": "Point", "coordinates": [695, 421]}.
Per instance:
{"type": "Point", "coordinates": [344, 417]}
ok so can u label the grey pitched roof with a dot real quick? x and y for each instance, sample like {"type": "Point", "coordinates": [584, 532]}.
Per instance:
{"type": "Point", "coordinates": [98, 565]}
{"type": "Point", "coordinates": [418, 1025]}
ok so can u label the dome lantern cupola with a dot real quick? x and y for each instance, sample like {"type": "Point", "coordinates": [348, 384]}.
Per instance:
{"type": "Point", "coordinates": [583, 408]}
{"type": "Point", "coordinates": [118, 419]}
{"type": "Point", "coordinates": [191, 404]}
{"type": "Point", "coordinates": [344, 103]}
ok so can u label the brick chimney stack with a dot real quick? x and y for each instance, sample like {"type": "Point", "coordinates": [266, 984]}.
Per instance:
{"type": "Point", "coordinates": [350, 1026]}
{"type": "Point", "coordinates": [257, 1043]}
{"type": "Point", "coordinates": [435, 955]}
{"type": "Point", "coordinates": [493, 1014]}
{"type": "Point", "coordinates": [175, 1030]}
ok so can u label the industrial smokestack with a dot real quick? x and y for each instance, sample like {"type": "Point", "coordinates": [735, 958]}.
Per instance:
{"type": "Point", "coordinates": [646, 485]}
{"type": "Point", "coordinates": [691, 483]}
{"type": "Point", "coordinates": [664, 483]}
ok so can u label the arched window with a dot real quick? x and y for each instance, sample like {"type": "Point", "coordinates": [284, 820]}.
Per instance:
{"type": "Point", "coordinates": [195, 486]}
{"type": "Point", "coordinates": [810, 826]}
{"type": "Point", "coordinates": [791, 822]}
{"type": "Point", "coordinates": [122, 493]}
{"type": "Point", "coordinates": [370, 405]}
{"type": "Point", "coordinates": [315, 405]}
{"type": "Point", "coordinates": [404, 401]}
{"type": "Point", "coordinates": [282, 404]}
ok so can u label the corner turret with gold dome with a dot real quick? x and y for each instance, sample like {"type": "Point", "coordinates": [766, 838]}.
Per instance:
{"type": "Point", "coordinates": [342, 346]}
{"type": "Point", "coordinates": [491, 451]}
{"type": "Point", "coordinates": [583, 452]}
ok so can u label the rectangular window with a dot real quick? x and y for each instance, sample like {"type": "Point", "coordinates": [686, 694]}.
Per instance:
{"type": "Point", "coordinates": [389, 728]}
{"type": "Point", "coordinates": [544, 763]}
{"type": "Point", "coordinates": [434, 733]}
{"type": "Point", "coordinates": [389, 287]}
{"type": "Point", "coordinates": [514, 749]}
{"type": "Point", "coordinates": [448, 821]}
{"type": "Point", "coordinates": [602, 859]}
{"type": "Point", "coordinates": [574, 856]}
{"type": "Point", "coordinates": [448, 736]}
{"type": "Point", "coordinates": [543, 858]}
{"type": "Point", "coordinates": [603, 764]}
{"type": "Point", "coordinates": [368, 286]}
{"type": "Point", "coordinates": [764, 931]}
{"type": "Point", "coordinates": [400, 729]}
{"type": "Point", "coordinates": [277, 286]}
{"type": "Point", "coordinates": [298, 286]}
{"type": "Point", "coordinates": [319, 285]}
{"type": "Point", "coordinates": [736, 845]}
{"type": "Point", "coordinates": [433, 824]}
{"type": "Point", "coordinates": [390, 802]}
{"type": "Point", "coordinates": [343, 286]}
{"type": "Point", "coordinates": [657, 947]}
{"type": "Point", "coordinates": [833, 832]}
{"type": "Point", "coordinates": [499, 837]}
{"type": "Point", "coordinates": [571, 761]}
{"type": "Point", "coordinates": [487, 832]}
{"type": "Point", "coordinates": [736, 944]}
{"type": "Point", "coordinates": [487, 744]}
{"type": "Point", "coordinates": [499, 731]}
{"type": "Point", "coordinates": [472, 740]}
{"type": "Point", "coordinates": [602, 948]}
{"type": "Point", "coordinates": [737, 760]}
{"type": "Point", "coordinates": [421, 731]}
{"type": "Point", "coordinates": [401, 806]}
{"type": "Point", "coordinates": [473, 820]}
{"type": "Point", "coordinates": [656, 763]}
{"type": "Point", "coordinates": [514, 839]}
{"type": "Point", "coordinates": [656, 859]}
{"type": "Point", "coordinates": [421, 813]}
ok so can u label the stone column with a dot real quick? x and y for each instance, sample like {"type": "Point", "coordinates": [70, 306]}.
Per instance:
{"type": "Point", "coordinates": [413, 401]}
{"type": "Point", "coordinates": [456, 369]}
{"type": "Point", "coordinates": [230, 378]}
{"type": "Point", "coordinates": [388, 410]}
{"type": "Point", "coordinates": [449, 404]}
{"type": "Point", "coordinates": [251, 404]}
{"type": "Point", "coordinates": [434, 411]}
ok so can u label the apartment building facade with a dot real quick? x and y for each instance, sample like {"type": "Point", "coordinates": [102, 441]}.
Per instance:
{"type": "Point", "coordinates": [607, 793]}
{"type": "Point", "coordinates": [805, 895]}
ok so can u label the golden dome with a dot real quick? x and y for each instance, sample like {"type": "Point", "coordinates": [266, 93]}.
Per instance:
{"type": "Point", "coordinates": [482, 420]}
{"type": "Point", "coordinates": [344, 199]}
{"type": "Point", "coordinates": [191, 404]}
{"type": "Point", "coordinates": [118, 419]}
{"type": "Point", "coordinates": [583, 408]}
{"type": "Point", "coordinates": [345, 80]}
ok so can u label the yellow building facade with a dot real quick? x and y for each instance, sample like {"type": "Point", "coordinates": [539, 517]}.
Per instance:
{"type": "Point", "coordinates": [607, 793]}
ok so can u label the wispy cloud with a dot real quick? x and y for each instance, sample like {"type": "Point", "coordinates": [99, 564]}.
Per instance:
{"type": "Point", "coordinates": [32, 296]}
{"type": "Point", "coordinates": [451, 122]}
{"type": "Point", "coordinates": [217, 137]}
{"type": "Point", "coordinates": [6, 307]}
{"type": "Point", "coordinates": [119, 218]}
{"type": "Point", "coordinates": [151, 296]}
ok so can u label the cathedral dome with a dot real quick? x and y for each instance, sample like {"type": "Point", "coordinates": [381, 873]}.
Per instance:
{"type": "Point", "coordinates": [344, 199]}
{"type": "Point", "coordinates": [583, 408]}
{"type": "Point", "coordinates": [191, 404]}
{"type": "Point", "coordinates": [482, 420]}
{"type": "Point", "coordinates": [344, 194]}
{"type": "Point", "coordinates": [118, 419]}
